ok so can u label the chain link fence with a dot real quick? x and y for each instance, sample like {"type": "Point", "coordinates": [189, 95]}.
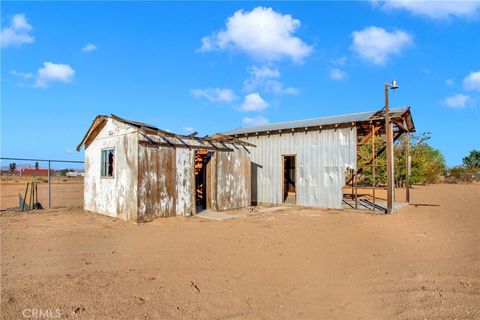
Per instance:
{"type": "Point", "coordinates": [462, 177]}
{"type": "Point", "coordinates": [40, 183]}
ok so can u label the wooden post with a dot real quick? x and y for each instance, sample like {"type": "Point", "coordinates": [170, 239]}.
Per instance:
{"type": "Point", "coordinates": [353, 181]}
{"type": "Point", "coordinates": [25, 197]}
{"type": "Point", "coordinates": [389, 150]}
{"type": "Point", "coordinates": [373, 165]}
{"type": "Point", "coordinates": [356, 188]}
{"type": "Point", "coordinates": [30, 200]}
{"type": "Point", "coordinates": [407, 159]}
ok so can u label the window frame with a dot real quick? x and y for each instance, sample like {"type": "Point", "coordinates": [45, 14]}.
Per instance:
{"type": "Point", "coordinates": [102, 163]}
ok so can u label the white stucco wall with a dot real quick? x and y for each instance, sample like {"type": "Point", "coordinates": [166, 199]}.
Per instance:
{"type": "Point", "coordinates": [117, 196]}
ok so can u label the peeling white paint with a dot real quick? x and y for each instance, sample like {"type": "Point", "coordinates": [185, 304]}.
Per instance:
{"type": "Point", "coordinates": [184, 181]}
{"type": "Point", "coordinates": [115, 197]}
{"type": "Point", "coordinates": [152, 182]}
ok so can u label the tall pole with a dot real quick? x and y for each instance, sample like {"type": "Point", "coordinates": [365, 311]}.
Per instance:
{"type": "Point", "coordinates": [49, 195]}
{"type": "Point", "coordinates": [407, 160]}
{"type": "Point", "coordinates": [373, 165]}
{"type": "Point", "coordinates": [389, 150]}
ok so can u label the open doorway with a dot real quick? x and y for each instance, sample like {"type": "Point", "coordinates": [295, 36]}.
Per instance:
{"type": "Point", "coordinates": [289, 179]}
{"type": "Point", "coordinates": [202, 159]}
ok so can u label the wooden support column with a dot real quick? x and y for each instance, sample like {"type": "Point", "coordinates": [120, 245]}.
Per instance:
{"type": "Point", "coordinates": [407, 160]}
{"type": "Point", "coordinates": [352, 171]}
{"type": "Point", "coordinates": [374, 162]}
{"type": "Point", "coordinates": [355, 178]}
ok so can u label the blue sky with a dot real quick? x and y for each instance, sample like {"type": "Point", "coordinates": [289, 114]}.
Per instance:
{"type": "Point", "coordinates": [214, 66]}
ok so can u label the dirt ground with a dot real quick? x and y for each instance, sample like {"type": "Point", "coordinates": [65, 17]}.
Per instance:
{"type": "Point", "coordinates": [65, 191]}
{"type": "Point", "coordinates": [278, 263]}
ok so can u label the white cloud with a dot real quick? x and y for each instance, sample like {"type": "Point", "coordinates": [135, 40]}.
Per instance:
{"type": "Point", "coordinates": [89, 47]}
{"type": "Point", "coordinates": [214, 94]}
{"type": "Point", "coordinates": [262, 33]}
{"type": "Point", "coordinates": [472, 81]}
{"type": "Point", "coordinates": [23, 75]}
{"type": "Point", "coordinates": [277, 87]}
{"type": "Point", "coordinates": [253, 102]}
{"type": "Point", "coordinates": [337, 74]}
{"type": "Point", "coordinates": [377, 45]}
{"type": "Point", "coordinates": [53, 72]}
{"type": "Point", "coordinates": [19, 23]}
{"type": "Point", "coordinates": [339, 61]}
{"type": "Point", "coordinates": [17, 33]}
{"type": "Point", "coordinates": [449, 82]}
{"type": "Point", "coordinates": [188, 129]}
{"type": "Point", "coordinates": [264, 78]}
{"type": "Point", "coordinates": [255, 121]}
{"type": "Point", "coordinates": [442, 9]}
{"type": "Point", "coordinates": [457, 101]}
{"type": "Point", "coordinates": [258, 77]}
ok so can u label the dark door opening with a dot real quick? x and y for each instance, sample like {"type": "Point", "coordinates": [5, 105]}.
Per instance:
{"type": "Point", "coordinates": [289, 180]}
{"type": "Point", "coordinates": [202, 158]}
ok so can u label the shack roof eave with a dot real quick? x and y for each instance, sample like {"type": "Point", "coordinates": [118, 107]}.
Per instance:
{"type": "Point", "coordinates": [146, 130]}
{"type": "Point", "coordinates": [323, 121]}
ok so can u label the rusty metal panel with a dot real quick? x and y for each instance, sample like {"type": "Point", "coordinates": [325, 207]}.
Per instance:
{"type": "Point", "coordinates": [233, 179]}
{"type": "Point", "coordinates": [185, 182]}
{"type": "Point", "coordinates": [323, 158]}
{"type": "Point", "coordinates": [156, 183]}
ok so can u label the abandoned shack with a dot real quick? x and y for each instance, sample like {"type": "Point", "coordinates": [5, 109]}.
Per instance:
{"type": "Point", "coordinates": [137, 172]}
{"type": "Point", "coordinates": [309, 162]}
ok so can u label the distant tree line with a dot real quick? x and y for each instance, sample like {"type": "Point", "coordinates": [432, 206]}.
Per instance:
{"type": "Point", "coordinates": [469, 171]}
{"type": "Point", "coordinates": [427, 163]}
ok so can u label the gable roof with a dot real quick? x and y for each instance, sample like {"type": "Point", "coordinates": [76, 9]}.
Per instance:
{"type": "Point", "coordinates": [170, 138]}
{"type": "Point", "coordinates": [323, 121]}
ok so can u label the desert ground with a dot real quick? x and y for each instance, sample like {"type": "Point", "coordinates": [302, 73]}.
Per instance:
{"type": "Point", "coordinates": [270, 263]}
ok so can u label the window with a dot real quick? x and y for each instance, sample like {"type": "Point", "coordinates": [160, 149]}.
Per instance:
{"type": "Point", "coordinates": [108, 157]}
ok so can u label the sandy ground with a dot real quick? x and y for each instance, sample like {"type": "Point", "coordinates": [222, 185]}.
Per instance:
{"type": "Point", "coordinates": [65, 191]}
{"type": "Point", "coordinates": [280, 263]}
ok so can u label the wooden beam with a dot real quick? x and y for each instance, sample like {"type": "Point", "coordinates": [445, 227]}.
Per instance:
{"type": "Point", "coordinates": [156, 144]}
{"type": "Point", "coordinates": [378, 153]}
{"type": "Point", "coordinates": [368, 136]}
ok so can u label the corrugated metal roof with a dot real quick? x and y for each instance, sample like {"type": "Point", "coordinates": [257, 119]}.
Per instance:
{"type": "Point", "coordinates": [346, 118]}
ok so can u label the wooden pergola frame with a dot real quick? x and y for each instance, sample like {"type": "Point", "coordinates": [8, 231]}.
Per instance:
{"type": "Point", "coordinates": [367, 131]}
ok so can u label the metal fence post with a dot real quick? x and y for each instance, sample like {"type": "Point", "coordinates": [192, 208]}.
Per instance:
{"type": "Point", "coordinates": [49, 195]}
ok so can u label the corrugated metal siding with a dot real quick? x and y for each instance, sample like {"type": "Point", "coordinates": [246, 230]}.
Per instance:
{"type": "Point", "coordinates": [156, 183]}
{"type": "Point", "coordinates": [233, 179]}
{"type": "Point", "coordinates": [322, 160]}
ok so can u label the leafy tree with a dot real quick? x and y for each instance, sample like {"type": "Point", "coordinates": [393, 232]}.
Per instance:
{"type": "Point", "coordinates": [427, 164]}
{"type": "Point", "coordinates": [36, 165]}
{"type": "Point", "coordinates": [472, 161]}
{"type": "Point", "coordinates": [12, 167]}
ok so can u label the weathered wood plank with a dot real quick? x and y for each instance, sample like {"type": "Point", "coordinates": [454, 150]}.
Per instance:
{"type": "Point", "coordinates": [156, 183]}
